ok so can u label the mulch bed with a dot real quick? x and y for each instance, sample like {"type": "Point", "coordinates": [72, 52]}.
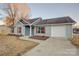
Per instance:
{"type": "Point", "coordinates": [40, 37]}
{"type": "Point", "coordinates": [15, 35]}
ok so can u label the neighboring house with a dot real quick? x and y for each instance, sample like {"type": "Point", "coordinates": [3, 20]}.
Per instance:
{"type": "Point", "coordinates": [4, 29]}
{"type": "Point", "coordinates": [55, 27]}
{"type": "Point", "coordinates": [76, 30]}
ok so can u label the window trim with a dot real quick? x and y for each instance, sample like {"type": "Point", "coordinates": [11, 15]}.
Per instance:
{"type": "Point", "coordinates": [39, 29]}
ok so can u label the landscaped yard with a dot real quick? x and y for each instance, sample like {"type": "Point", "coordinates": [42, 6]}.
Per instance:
{"type": "Point", "coordinates": [13, 46]}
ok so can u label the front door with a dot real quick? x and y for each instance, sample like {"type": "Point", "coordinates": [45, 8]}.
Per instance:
{"type": "Point", "coordinates": [27, 30]}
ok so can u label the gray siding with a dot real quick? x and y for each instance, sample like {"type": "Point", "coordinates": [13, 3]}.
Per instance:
{"type": "Point", "coordinates": [69, 31]}
{"type": "Point", "coordinates": [18, 24]}
{"type": "Point", "coordinates": [48, 30]}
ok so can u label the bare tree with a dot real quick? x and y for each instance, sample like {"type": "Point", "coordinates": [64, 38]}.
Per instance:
{"type": "Point", "coordinates": [14, 12]}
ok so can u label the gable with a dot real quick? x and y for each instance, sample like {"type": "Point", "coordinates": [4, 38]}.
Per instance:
{"type": "Point", "coordinates": [27, 22]}
{"type": "Point", "coordinates": [23, 22]}
{"type": "Point", "coordinates": [19, 24]}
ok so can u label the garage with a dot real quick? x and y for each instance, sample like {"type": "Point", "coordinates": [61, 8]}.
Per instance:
{"type": "Point", "coordinates": [58, 27]}
{"type": "Point", "coordinates": [58, 31]}
{"type": "Point", "coordinates": [62, 31]}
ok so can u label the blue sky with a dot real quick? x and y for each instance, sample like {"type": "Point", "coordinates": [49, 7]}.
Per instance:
{"type": "Point", "coordinates": [53, 10]}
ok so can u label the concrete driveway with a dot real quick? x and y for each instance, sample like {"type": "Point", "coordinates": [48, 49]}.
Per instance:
{"type": "Point", "coordinates": [54, 47]}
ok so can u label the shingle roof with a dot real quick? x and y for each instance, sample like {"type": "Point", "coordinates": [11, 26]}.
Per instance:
{"type": "Point", "coordinates": [57, 20]}
{"type": "Point", "coordinates": [23, 21]}
{"type": "Point", "coordinates": [49, 21]}
{"type": "Point", "coordinates": [32, 20]}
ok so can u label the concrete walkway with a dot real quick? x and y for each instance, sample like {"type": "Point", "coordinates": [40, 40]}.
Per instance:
{"type": "Point", "coordinates": [54, 47]}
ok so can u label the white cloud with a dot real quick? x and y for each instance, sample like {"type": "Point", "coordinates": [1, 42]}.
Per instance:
{"type": "Point", "coordinates": [1, 22]}
{"type": "Point", "coordinates": [2, 17]}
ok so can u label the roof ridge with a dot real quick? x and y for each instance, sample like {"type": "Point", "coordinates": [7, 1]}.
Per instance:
{"type": "Point", "coordinates": [58, 20]}
{"type": "Point", "coordinates": [58, 17]}
{"type": "Point", "coordinates": [34, 18]}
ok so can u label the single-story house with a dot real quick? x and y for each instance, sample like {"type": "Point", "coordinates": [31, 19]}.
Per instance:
{"type": "Point", "coordinates": [54, 27]}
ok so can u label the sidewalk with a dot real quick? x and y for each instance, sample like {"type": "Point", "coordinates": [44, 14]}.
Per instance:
{"type": "Point", "coordinates": [53, 47]}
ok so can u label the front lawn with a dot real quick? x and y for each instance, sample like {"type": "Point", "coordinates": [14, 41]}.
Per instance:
{"type": "Point", "coordinates": [13, 46]}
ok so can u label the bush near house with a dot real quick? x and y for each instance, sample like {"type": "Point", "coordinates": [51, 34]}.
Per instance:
{"type": "Point", "coordinates": [75, 39]}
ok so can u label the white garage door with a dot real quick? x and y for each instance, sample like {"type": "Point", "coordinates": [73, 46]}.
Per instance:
{"type": "Point", "coordinates": [58, 31]}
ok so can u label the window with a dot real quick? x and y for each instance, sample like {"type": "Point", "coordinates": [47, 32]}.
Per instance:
{"type": "Point", "coordinates": [40, 30]}
{"type": "Point", "coordinates": [19, 30]}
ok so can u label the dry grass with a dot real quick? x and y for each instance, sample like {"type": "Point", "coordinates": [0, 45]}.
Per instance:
{"type": "Point", "coordinates": [13, 46]}
{"type": "Point", "coordinates": [75, 40]}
